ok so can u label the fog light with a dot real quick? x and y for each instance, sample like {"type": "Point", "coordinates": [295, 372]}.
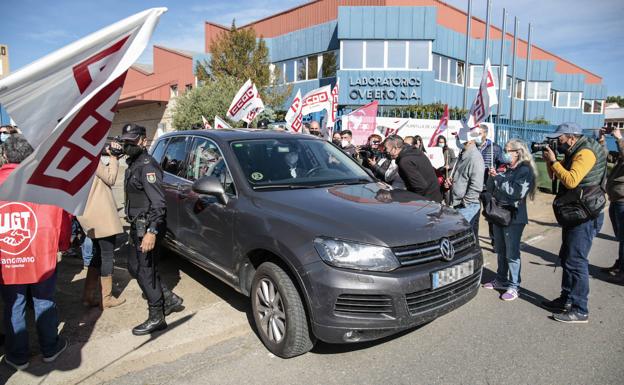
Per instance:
{"type": "Point", "coordinates": [352, 336]}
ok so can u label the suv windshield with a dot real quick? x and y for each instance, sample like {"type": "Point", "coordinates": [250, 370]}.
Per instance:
{"type": "Point", "coordinates": [296, 163]}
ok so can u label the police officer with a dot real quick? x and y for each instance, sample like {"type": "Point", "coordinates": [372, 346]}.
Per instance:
{"type": "Point", "coordinates": [146, 212]}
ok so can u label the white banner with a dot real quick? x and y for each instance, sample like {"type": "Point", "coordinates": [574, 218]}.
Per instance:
{"type": "Point", "coordinates": [245, 101]}
{"type": "Point", "coordinates": [485, 100]}
{"type": "Point", "coordinates": [64, 105]}
{"type": "Point", "coordinates": [294, 117]}
{"type": "Point", "coordinates": [317, 100]}
{"type": "Point", "coordinates": [220, 124]}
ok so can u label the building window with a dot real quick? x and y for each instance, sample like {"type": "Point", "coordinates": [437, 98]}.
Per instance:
{"type": "Point", "coordinates": [448, 70]}
{"type": "Point", "coordinates": [564, 99]}
{"type": "Point", "coordinates": [593, 106]}
{"type": "Point", "coordinates": [188, 87]}
{"type": "Point", "coordinates": [397, 54]}
{"type": "Point", "coordinates": [173, 91]}
{"type": "Point", "coordinates": [329, 64]}
{"type": "Point", "coordinates": [312, 67]}
{"type": "Point", "coordinates": [301, 70]}
{"type": "Point", "coordinates": [289, 71]}
{"type": "Point", "coordinates": [381, 54]}
{"type": "Point", "coordinates": [352, 54]}
{"type": "Point", "coordinates": [476, 74]}
{"type": "Point", "coordinates": [519, 89]}
{"type": "Point", "coordinates": [538, 91]}
{"type": "Point", "coordinates": [374, 54]}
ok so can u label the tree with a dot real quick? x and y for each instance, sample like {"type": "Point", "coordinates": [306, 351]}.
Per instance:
{"type": "Point", "coordinates": [213, 98]}
{"type": "Point", "coordinates": [238, 54]}
{"type": "Point", "coordinates": [616, 99]}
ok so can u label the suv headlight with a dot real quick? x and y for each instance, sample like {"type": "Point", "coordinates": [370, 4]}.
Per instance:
{"type": "Point", "coordinates": [358, 256]}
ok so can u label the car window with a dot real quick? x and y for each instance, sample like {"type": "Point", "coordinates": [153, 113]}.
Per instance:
{"type": "Point", "coordinates": [295, 162]}
{"type": "Point", "coordinates": [205, 159]}
{"type": "Point", "coordinates": [159, 150]}
{"type": "Point", "coordinates": [175, 155]}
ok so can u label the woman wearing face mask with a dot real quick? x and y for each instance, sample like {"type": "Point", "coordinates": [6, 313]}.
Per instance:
{"type": "Point", "coordinates": [418, 143]}
{"type": "Point", "coordinates": [449, 161]}
{"type": "Point", "coordinates": [511, 189]}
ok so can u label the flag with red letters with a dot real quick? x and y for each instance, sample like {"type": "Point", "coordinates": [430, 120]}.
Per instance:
{"type": "Point", "coordinates": [64, 104]}
{"type": "Point", "coordinates": [206, 124]}
{"type": "Point", "coordinates": [442, 126]}
{"type": "Point", "coordinates": [294, 117]}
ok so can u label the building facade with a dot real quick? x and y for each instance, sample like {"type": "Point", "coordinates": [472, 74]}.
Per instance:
{"type": "Point", "coordinates": [406, 52]}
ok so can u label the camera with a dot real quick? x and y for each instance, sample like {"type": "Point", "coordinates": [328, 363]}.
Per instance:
{"type": "Point", "coordinates": [607, 129]}
{"type": "Point", "coordinates": [366, 153]}
{"type": "Point", "coordinates": [116, 152]}
{"type": "Point", "coordinates": [542, 146]}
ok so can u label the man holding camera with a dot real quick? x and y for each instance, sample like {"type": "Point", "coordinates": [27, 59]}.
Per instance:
{"type": "Point", "coordinates": [579, 201]}
{"type": "Point", "coordinates": [615, 190]}
{"type": "Point", "coordinates": [146, 212]}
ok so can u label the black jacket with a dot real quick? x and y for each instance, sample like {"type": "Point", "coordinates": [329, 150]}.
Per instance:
{"type": "Point", "coordinates": [418, 174]}
{"type": "Point", "coordinates": [393, 178]}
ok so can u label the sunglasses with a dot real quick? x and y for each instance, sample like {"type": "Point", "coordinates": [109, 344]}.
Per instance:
{"type": "Point", "coordinates": [375, 142]}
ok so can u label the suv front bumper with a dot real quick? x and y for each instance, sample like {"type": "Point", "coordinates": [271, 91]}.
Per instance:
{"type": "Point", "coordinates": [353, 306]}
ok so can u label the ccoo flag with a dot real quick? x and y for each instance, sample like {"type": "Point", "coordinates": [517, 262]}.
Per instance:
{"type": "Point", "coordinates": [245, 101]}
{"type": "Point", "coordinates": [485, 100]}
{"type": "Point", "coordinates": [294, 118]}
{"type": "Point", "coordinates": [64, 105]}
{"type": "Point", "coordinates": [221, 124]}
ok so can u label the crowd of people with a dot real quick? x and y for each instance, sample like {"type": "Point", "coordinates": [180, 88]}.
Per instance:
{"type": "Point", "coordinates": [484, 176]}
{"type": "Point", "coordinates": [481, 179]}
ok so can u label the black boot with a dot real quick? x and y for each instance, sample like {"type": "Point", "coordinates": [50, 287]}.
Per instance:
{"type": "Point", "coordinates": [173, 302]}
{"type": "Point", "coordinates": [155, 321]}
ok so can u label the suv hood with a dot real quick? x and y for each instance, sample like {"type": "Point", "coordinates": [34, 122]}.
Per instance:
{"type": "Point", "coordinates": [369, 213]}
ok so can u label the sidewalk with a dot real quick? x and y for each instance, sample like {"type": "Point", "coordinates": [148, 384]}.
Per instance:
{"type": "Point", "coordinates": [103, 348]}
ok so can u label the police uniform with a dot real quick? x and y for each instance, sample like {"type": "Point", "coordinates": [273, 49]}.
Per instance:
{"type": "Point", "coordinates": [146, 210]}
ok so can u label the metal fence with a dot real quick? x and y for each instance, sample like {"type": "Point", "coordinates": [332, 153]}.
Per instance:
{"type": "Point", "coordinates": [507, 129]}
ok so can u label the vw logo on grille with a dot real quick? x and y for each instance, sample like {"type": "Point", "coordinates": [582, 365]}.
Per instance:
{"type": "Point", "coordinates": [446, 249]}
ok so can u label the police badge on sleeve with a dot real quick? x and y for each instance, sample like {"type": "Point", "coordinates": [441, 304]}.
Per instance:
{"type": "Point", "coordinates": [151, 177]}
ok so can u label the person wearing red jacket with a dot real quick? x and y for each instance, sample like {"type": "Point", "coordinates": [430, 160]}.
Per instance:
{"type": "Point", "coordinates": [29, 239]}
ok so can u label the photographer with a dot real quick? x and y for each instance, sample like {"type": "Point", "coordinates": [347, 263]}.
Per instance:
{"type": "Point", "coordinates": [101, 224]}
{"type": "Point", "coordinates": [370, 153]}
{"type": "Point", "coordinates": [615, 190]}
{"type": "Point", "coordinates": [578, 203]}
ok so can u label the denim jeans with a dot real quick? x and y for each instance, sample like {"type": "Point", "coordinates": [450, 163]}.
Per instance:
{"type": "Point", "coordinates": [507, 242]}
{"type": "Point", "coordinates": [470, 212]}
{"type": "Point", "coordinates": [574, 253]}
{"type": "Point", "coordinates": [87, 250]}
{"type": "Point", "coordinates": [46, 318]}
{"type": "Point", "coordinates": [616, 213]}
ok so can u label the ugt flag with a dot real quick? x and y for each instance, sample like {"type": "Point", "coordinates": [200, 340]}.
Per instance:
{"type": "Point", "coordinates": [64, 105]}
{"type": "Point", "coordinates": [294, 117]}
{"type": "Point", "coordinates": [362, 123]}
{"type": "Point", "coordinates": [485, 100]}
{"type": "Point", "coordinates": [246, 100]}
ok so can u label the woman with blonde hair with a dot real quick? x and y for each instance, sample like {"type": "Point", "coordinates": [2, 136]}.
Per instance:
{"type": "Point", "coordinates": [511, 189]}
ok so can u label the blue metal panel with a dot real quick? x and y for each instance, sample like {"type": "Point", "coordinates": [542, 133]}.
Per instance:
{"type": "Point", "coordinates": [308, 41]}
{"type": "Point", "coordinates": [378, 22]}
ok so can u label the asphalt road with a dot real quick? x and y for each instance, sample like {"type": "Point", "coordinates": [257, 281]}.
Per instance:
{"type": "Point", "coordinates": [487, 341]}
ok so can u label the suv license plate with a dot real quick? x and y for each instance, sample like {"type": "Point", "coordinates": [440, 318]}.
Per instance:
{"type": "Point", "coordinates": [452, 274]}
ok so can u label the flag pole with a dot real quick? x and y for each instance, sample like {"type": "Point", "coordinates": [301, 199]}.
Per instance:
{"type": "Point", "coordinates": [513, 69]}
{"type": "Point", "coordinates": [501, 78]}
{"type": "Point", "coordinates": [467, 57]}
{"type": "Point", "coordinates": [526, 76]}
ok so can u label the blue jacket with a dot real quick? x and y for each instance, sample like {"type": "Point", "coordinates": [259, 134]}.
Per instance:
{"type": "Point", "coordinates": [511, 189]}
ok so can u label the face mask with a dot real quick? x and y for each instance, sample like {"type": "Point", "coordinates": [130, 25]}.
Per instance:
{"type": "Point", "coordinates": [344, 143]}
{"type": "Point", "coordinates": [132, 150]}
{"type": "Point", "coordinates": [507, 158]}
{"type": "Point", "coordinates": [563, 147]}
{"type": "Point", "coordinates": [3, 137]}
{"type": "Point", "coordinates": [336, 142]}
{"type": "Point", "coordinates": [441, 144]}
{"type": "Point", "coordinates": [478, 140]}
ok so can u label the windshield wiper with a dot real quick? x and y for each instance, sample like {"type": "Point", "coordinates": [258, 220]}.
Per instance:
{"type": "Point", "coordinates": [283, 186]}
{"type": "Point", "coordinates": [345, 183]}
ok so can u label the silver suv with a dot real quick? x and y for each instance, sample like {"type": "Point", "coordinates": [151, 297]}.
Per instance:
{"type": "Point", "coordinates": [323, 249]}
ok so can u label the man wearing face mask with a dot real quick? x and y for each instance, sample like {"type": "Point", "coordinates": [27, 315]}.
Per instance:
{"type": "Point", "coordinates": [579, 201]}
{"type": "Point", "coordinates": [346, 145]}
{"type": "Point", "coordinates": [146, 212]}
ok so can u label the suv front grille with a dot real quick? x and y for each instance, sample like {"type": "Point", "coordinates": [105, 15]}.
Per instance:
{"type": "Point", "coordinates": [367, 304]}
{"type": "Point", "coordinates": [429, 251]}
{"type": "Point", "coordinates": [428, 299]}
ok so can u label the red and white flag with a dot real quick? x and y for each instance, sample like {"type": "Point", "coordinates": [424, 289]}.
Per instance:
{"type": "Point", "coordinates": [64, 104]}
{"type": "Point", "coordinates": [362, 123]}
{"type": "Point", "coordinates": [254, 112]}
{"type": "Point", "coordinates": [442, 126]}
{"type": "Point", "coordinates": [294, 117]}
{"type": "Point", "coordinates": [485, 100]}
{"type": "Point", "coordinates": [246, 100]}
{"type": "Point", "coordinates": [331, 115]}
{"type": "Point", "coordinates": [392, 128]}
{"type": "Point", "coordinates": [207, 125]}
{"type": "Point", "coordinates": [317, 100]}
{"type": "Point", "coordinates": [220, 124]}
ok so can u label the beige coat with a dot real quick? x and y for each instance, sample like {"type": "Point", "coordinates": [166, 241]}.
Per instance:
{"type": "Point", "coordinates": [100, 218]}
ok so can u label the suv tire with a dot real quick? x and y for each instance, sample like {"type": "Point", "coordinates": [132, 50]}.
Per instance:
{"type": "Point", "coordinates": [278, 312]}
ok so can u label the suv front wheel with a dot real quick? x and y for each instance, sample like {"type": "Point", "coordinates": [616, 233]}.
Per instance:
{"type": "Point", "coordinates": [279, 313]}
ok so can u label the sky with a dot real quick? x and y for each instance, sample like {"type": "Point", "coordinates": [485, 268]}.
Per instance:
{"type": "Point", "coordinates": [587, 33]}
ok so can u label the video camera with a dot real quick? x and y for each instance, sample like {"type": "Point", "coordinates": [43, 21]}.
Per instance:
{"type": "Point", "coordinates": [542, 146]}
{"type": "Point", "coordinates": [116, 152]}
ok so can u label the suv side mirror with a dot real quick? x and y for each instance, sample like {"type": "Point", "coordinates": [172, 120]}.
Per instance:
{"type": "Point", "coordinates": [210, 185]}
